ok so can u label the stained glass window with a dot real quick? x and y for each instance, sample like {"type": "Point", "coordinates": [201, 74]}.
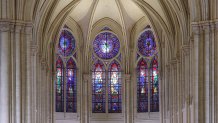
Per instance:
{"type": "Point", "coordinates": [66, 73]}
{"type": "Point", "coordinates": [146, 43]}
{"type": "Point", "coordinates": [115, 88]}
{"type": "Point", "coordinates": [71, 86]}
{"type": "Point", "coordinates": [142, 86]}
{"type": "Point", "coordinates": [98, 88]}
{"type": "Point", "coordinates": [154, 98]}
{"type": "Point", "coordinates": [147, 73]}
{"type": "Point", "coordinates": [59, 85]}
{"type": "Point", "coordinates": [66, 43]}
{"type": "Point", "coordinates": [106, 45]}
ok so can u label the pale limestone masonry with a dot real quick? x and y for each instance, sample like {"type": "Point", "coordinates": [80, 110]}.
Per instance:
{"type": "Point", "coordinates": [186, 33]}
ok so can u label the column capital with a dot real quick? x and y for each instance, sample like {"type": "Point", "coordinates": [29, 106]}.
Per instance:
{"type": "Point", "coordinates": [43, 64]}
{"type": "Point", "coordinates": [127, 77]}
{"type": "Point", "coordinates": [86, 77]}
{"type": "Point", "coordinates": [185, 49]}
{"type": "Point", "coordinates": [4, 26]}
{"type": "Point", "coordinates": [34, 50]}
{"type": "Point", "coordinates": [28, 29]}
{"type": "Point", "coordinates": [216, 25]}
{"type": "Point", "coordinates": [196, 29]}
{"type": "Point", "coordinates": [18, 28]}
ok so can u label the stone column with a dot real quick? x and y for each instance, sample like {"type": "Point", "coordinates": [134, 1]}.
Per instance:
{"type": "Point", "coordinates": [43, 92]}
{"type": "Point", "coordinates": [178, 92]}
{"type": "Point", "coordinates": [212, 66]}
{"type": "Point", "coordinates": [199, 118]}
{"type": "Point", "coordinates": [215, 72]}
{"type": "Point", "coordinates": [18, 73]}
{"type": "Point", "coordinates": [173, 91]}
{"type": "Point", "coordinates": [5, 72]}
{"type": "Point", "coordinates": [28, 39]}
{"type": "Point", "coordinates": [186, 81]}
{"type": "Point", "coordinates": [207, 73]}
{"type": "Point", "coordinates": [34, 83]}
{"type": "Point", "coordinates": [128, 99]}
{"type": "Point", "coordinates": [85, 103]}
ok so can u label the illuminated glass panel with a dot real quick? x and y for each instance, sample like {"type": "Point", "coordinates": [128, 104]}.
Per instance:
{"type": "Point", "coordinates": [106, 45]}
{"type": "Point", "coordinates": [154, 86]}
{"type": "Point", "coordinates": [66, 43]}
{"type": "Point", "coordinates": [59, 85]}
{"type": "Point", "coordinates": [115, 88]}
{"type": "Point", "coordinates": [146, 43]}
{"type": "Point", "coordinates": [98, 88]}
{"type": "Point", "coordinates": [71, 90]}
{"type": "Point", "coordinates": [142, 86]}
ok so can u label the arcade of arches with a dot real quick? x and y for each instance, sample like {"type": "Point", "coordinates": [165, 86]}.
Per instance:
{"type": "Point", "coordinates": [108, 61]}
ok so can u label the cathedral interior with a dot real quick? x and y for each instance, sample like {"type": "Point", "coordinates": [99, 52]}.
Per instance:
{"type": "Point", "coordinates": [108, 61]}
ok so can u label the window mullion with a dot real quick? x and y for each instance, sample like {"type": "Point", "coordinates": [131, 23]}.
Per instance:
{"type": "Point", "coordinates": [106, 90]}
{"type": "Point", "coordinates": [149, 88]}
{"type": "Point", "coordinates": [65, 95]}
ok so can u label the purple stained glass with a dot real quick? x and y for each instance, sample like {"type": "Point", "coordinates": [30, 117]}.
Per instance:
{"type": "Point", "coordinates": [98, 87]}
{"type": "Point", "coordinates": [106, 45]}
{"type": "Point", "coordinates": [66, 43]}
{"type": "Point", "coordinates": [154, 86]}
{"type": "Point", "coordinates": [137, 57]}
{"type": "Point", "coordinates": [106, 28]}
{"type": "Point", "coordinates": [119, 57]}
{"type": "Point", "coordinates": [142, 86]}
{"type": "Point", "coordinates": [146, 43]}
{"type": "Point", "coordinates": [115, 88]}
{"type": "Point", "coordinates": [71, 90]}
{"type": "Point", "coordinates": [59, 85]}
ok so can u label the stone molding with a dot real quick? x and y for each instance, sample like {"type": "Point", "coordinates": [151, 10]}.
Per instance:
{"type": "Point", "coordinates": [4, 26]}
{"type": "Point", "coordinates": [43, 64]}
{"type": "Point", "coordinates": [173, 63]}
{"type": "Point", "coordinates": [127, 77]}
{"type": "Point", "coordinates": [185, 49]}
{"type": "Point", "coordinates": [86, 77]}
{"type": "Point", "coordinates": [34, 50]}
{"type": "Point", "coordinates": [207, 26]}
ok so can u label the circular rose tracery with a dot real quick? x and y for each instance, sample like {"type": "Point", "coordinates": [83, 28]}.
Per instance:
{"type": "Point", "coordinates": [66, 43]}
{"type": "Point", "coordinates": [146, 43]}
{"type": "Point", "coordinates": [106, 45]}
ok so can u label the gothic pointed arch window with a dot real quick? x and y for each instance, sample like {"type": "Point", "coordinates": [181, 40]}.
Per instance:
{"type": "Point", "coordinates": [66, 73]}
{"type": "Point", "coordinates": [115, 90]}
{"type": "Point", "coordinates": [147, 73]}
{"type": "Point", "coordinates": [59, 85]}
{"type": "Point", "coordinates": [142, 86]}
{"type": "Point", "coordinates": [106, 74]}
{"type": "Point", "coordinates": [154, 86]}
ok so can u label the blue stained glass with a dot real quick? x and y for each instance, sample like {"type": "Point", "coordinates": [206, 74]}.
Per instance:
{"type": "Point", "coordinates": [71, 86]}
{"type": "Point", "coordinates": [106, 28]}
{"type": "Point", "coordinates": [119, 57]}
{"type": "Point", "coordinates": [114, 92]}
{"type": "Point", "coordinates": [142, 86]}
{"type": "Point", "coordinates": [59, 86]}
{"type": "Point", "coordinates": [98, 87]}
{"type": "Point", "coordinates": [154, 99]}
{"type": "Point", "coordinates": [106, 45]}
{"type": "Point", "coordinates": [66, 43]}
{"type": "Point", "coordinates": [146, 43]}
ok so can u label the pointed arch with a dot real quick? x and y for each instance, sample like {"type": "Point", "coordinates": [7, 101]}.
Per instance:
{"type": "Point", "coordinates": [98, 87]}
{"type": "Point", "coordinates": [142, 86]}
{"type": "Point", "coordinates": [115, 88]}
{"type": "Point", "coordinates": [59, 85]}
{"type": "Point", "coordinates": [154, 86]}
{"type": "Point", "coordinates": [71, 86]}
